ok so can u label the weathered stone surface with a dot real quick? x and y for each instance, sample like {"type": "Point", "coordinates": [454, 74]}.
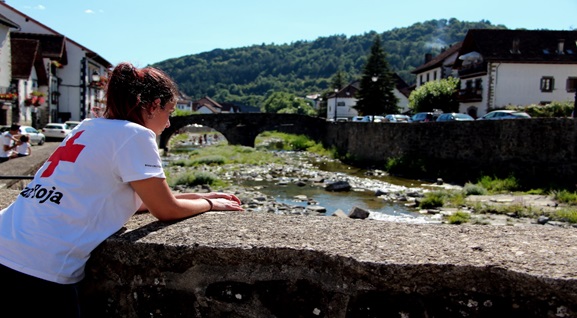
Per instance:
{"type": "Point", "coordinates": [255, 265]}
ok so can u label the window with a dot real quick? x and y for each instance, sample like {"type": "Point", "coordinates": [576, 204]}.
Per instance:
{"type": "Point", "coordinates": [435, 75]}
{"type": "Point", "coordinates": [547, 83]}
{"type": "Point", "coordinates": [341, 103]}
{"type": "Point", "coordinates": [479, 83]}
{"type": "Point", "coordinates": [571, 84]}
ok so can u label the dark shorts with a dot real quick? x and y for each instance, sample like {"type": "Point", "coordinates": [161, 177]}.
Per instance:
{"type": "Point", "coordinates": [22, 155]}
{"type": "Point", "coordinates": [4, 159]}
{"type": "Point", "coordinates": [27, 296]}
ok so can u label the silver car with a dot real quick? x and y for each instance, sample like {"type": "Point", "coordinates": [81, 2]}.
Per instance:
{"type": "Point", "coordinates": [36, 137]}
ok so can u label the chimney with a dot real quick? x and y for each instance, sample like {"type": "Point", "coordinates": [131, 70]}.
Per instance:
{"type": "Point", "coordinates": [561, 46]}
{"type": "Point", "coordinates": [428, 57]}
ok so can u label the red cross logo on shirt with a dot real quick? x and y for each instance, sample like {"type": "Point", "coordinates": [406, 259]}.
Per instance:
{"type": "Point", "coordinates": [68, 152]}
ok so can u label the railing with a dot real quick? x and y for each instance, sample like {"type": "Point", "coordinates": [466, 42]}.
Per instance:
{"type": "Point", "coordinates": [470, 95]}
{"type": "Point", "coordinates": [473, 68]}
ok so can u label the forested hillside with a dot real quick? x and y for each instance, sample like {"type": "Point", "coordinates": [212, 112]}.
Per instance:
{"type": "Point", "coordinates": [246, 75]}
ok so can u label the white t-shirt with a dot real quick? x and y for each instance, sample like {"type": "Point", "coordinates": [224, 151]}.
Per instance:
{"type": "Point", "coordinates": [23, 148]}
{"type": "Point", "coordinates": [6, 141]}
{"type": "Point", "coordinates": [77, 199]}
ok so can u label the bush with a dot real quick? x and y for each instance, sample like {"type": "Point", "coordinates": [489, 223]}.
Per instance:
{"type": "Point", "coordinates": [565, 215]}
{"type": "Point", "coordinates": [459, 217]}
{"type": "Point", "coordinates": [195, 178]}
{"type": "Point", "coordinates": [565, 196]}
{"type": "Point", "coordinates": [474, 189]}
{"type": "Point", "coordinates": [433, 200]}
{"type": "Point", "coordinates": [496, 185]}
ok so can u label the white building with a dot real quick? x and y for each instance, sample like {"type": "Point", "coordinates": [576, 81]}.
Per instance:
{"type": "Point", "coordinates": [74, 75]}
{"type": "Point", "coordinates": [438, 67]}
{"type": "Point", "coordinates": [515, 67]}
{"type": "Point", "coordinates": [345, 100]}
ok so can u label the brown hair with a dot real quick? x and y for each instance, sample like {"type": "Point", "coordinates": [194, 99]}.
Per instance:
{"type": "Point", "coordinates": [131, 90]}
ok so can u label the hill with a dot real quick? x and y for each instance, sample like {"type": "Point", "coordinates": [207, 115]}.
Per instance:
{"type": "Point", "coordinates": [247, 74]}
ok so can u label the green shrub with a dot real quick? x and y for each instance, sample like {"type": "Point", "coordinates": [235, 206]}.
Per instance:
{"type": "Point", "coordinates": [496, 185]}
{"type": "Point", "coordinates": [565, 215]}
{"type": "Point", "coordinates": [433, 200]}
{"type": "Point", "coordinates": [474, 189]}
{"type": "Point", "coordinates": [459, 218]}
{"type": "Point", "coordinates": [194, 178]}
{"type": "Point", "coordinates": [564, 196]}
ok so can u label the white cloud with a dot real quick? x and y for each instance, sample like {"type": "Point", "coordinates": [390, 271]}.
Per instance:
{"type": "Point", "coordinates": [88, 11]}
{"type": "Point", "coordinates": [37, 7]}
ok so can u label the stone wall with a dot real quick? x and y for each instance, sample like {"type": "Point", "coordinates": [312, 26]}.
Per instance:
{"type": "Point", "coordinates": [539, 149]}
{"type": "Point", "coordinates": [262, 265]}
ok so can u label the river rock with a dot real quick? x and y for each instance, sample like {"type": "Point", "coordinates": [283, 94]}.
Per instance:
{"type": "Point", "coordinates": [317, 208]}
{"type": "Point", "coordinates": [358, 213]}
{"type": "Point", "coordinates": [338, 186]}
{"type": "Point", "coordinates": [340, 213]}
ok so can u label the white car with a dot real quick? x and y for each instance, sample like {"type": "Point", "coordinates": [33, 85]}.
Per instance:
{"type": "Point", "coordinates": [71, 124]}
{"type": "Point", "coordinates": [368, 119]}
{"type": "Point", "coordinates": [56, 130]}
{"type": "Point", "coordinates": [36, 137]}
{"type": "Point", "coordinates": [504, 114]}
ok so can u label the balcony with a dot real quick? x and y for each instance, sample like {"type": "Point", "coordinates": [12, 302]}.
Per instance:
{"type": "Point", "coordinates": [470, 95]}
{"type": "Point", "coordinates": [473, 69]}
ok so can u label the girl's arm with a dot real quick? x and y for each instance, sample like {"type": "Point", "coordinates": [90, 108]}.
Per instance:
{"type": "Point", "coordinates": [158, 199]}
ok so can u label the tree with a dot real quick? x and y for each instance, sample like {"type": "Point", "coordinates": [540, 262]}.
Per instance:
{"type": "Point", "coordinates": [436, 95]}
{"type": "Point", "coordinates": [287, 103]}
{"type": "Point", "coordinates": [338, 81]}
{"type": "Point", "coordinates": [376, 94]}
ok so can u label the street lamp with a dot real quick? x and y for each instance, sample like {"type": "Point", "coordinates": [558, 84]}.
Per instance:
{"type": "Point", "coordinates": [336, 103]}
{"type": "Point", "coordinates": [374, 78]}
{"type": "Point", "coordinates": [95, 76]}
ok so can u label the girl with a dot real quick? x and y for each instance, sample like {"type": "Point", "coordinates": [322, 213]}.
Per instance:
{"type": "Point", "coordinates": [101, 174]}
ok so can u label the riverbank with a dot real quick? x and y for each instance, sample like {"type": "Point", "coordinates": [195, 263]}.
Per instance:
{"type": "Point", "coordinates": [296, 168]}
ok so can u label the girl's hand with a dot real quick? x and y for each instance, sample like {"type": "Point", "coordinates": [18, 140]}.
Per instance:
{"type": "Point", "coordinates": [222, 204]}
{"type": "Point", "coordinates": [221, 195]}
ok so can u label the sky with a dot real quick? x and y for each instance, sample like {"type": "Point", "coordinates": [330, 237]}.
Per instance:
{"type": "Point", "coordinates": [144, 32]}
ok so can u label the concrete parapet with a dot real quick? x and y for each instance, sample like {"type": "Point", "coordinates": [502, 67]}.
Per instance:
{"type": "Point", "coordinates": [262, 265]}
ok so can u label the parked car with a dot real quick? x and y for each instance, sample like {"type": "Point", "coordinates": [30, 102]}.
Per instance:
{"type": "Point", "coordinates": [397, 118]}
{"type": "Point", "coordinates": [36, 137]}
{"type": "Point", "coordinates": [454, 117]}
{"type": "Point", "coordinates": [56, 130]}
{"type": "Point", "coordinates": [368, 119]}
{"type": "Point", "coordinates": [71, 124]}
{"type": "Point", "coordinates": [423, 117]}
{"type": "Point", "coordinates": [504, 114]}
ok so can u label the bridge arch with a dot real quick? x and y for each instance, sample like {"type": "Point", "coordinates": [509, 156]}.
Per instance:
{"type": "Point", "coordinates": [242, 128]}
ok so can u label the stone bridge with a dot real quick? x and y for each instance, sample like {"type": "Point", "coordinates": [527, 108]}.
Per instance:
{"type": "Point", "coordinates": [242, 129]}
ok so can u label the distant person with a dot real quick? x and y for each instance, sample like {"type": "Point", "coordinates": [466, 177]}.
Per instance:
{"type": "Point", "coordinates": [23, 146]}
{"type": "Point", "coordinates": [102, 173]}
{"type": "Point", "coordinates": [9, 142]}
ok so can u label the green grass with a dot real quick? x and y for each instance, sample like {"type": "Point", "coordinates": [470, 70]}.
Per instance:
{"type": "Point", "coordinates": [497, 185]}
{"type": "Point", "coordinates": [194, 178]}
{"type": "Point", "coordinates": [274, 140]}
{"type": "Point", "coordinates": [565, 215]}
{"type": "Point", "coordinates": [565, 196]}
